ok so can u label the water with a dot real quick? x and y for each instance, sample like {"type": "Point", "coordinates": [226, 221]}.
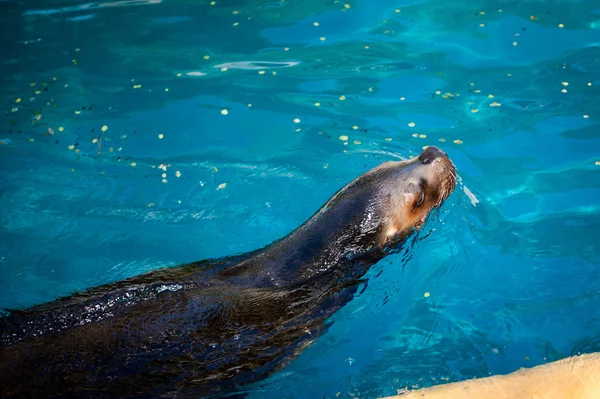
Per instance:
{"type": "Point", "coordinates": [509, 89]}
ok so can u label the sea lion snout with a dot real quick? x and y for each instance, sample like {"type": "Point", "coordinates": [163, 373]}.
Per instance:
{"type": "Point", "coordinates": [430, 154]}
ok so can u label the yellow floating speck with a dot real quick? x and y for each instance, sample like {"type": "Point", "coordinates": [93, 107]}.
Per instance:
{"type": "Point", "coordinates": [458, 141]}
{"type": "Point", "coordinates": [402, 98]}
{"type": "Point", "coordinates": [274, 73]}
{"type": "Point", "coordinates": [235, 12]}
{"type": "Point", "coordinates": [111, 149]}
{"type": "Point", "coordinates": [18, 100]}
{"type": "Point", "coordinates": [515, 43]}
{"type": "Point", "coordinates": [133, 164]}
{"type": "Point", "coordinates": [347, 6]}
{"type": "Point", "coordinates": [164, 180]}
{"type": "Point", "coordinates": [411, 124]}
{"type": "Point", "coordinates": [355, 127]}
{"type": "Point", "coordinates": [178, 174]}
{"type": "Point", "coordinates": [442, 140]}
{"type": "Point", "coordinates": [206, 57]}
{"type": "Point", "coordinates": [490, 96]}
{"type": "Point", "coordinates": [179, 75]}
{"type": "Point", "coordinates": [564, 83]}
{"type": "Point", "coordinates": [388, 139]}
{"type": "Point", "coordinates": [397, 10]}
{"type": "Point", "coordinates": [166, 89]}
{"type": "Point", "coordinates": [163, 175]}
{"type": "Point", "coordinates": [322, 38]}
{"type": "Point", "coordinates": [215, 169]}
{"type": "Point", "coordinates": [343, 137]}
{"type": "Point", "coordinates": [482, 13]}
{"type": "Point", "coordinates": [371, 89]}
{"type": "Point", "coordinates": [299, 129]}
{"type": "Point", "coordinates": [315, 23]}
{"type": "Point", "coordinates": [561, 25]}
{"type": "Point", "coordinates": [482, 25]}
{"type": "Point", "coordinates": [438, 92]}
{"type": "Point", "coordinates": [474, 110]}
{"type": "Point", "coordinates": [296, 120]}
{"type": "Point", "coordinates": [137, 86]}
{"type": "Point", "coordinates": [495, 104]}
{"type": "Point", "coordinates": [151, 204]}
{"type": "Point", "coordinates": [327, 165]}
{"type": "Point", "coordinates": [104, 128]}
{"type": "Point", "coordinates": [32, 84]}
{"type": "Point", "coordinates": [342, 97]}
{"type": "Point", "coordinates": [72, 170]}
{"type": "Point", "coordinates": [422, 136]}
{"type": "Point", "coordinates": [286, 49]}
{"type": "Point", "coordinates": [77, 112]}
{"type": "Point", "coordinates": [357, 142]}
{"type": "Point", "coordinates": [427, 295]}
{"type": "Point", "coordinates": [15, 109]}
{"type": "Point", "coordinates": [224, 112]}
{"type": "Point", "coordinates": [32, 139]}
{"type": "Point", "coordinates": [317, 104]}
{"type": "Point", "coordinates": [236, 23]}
{"type": "Point", "coordinates": [222, 186]}
{"type": "Point", "coordinates": [94, 141]}
{"type": "Point", "coordinates": [477, 91]}
{"type": "Point", "coordinates": [598, 163]}
{"type": "Point", "coordinates": [38, 92]}
{"type": "Point", "coordinates": [415, 135]}
{"type": "Point", "coordinates": [589, 83]}
{"type": "Point", "coordinates": [586, 116]}
{"type": "Point", "coordinates": [60, 128]}
{"type": "Point", "coordinates": [366, 47]}
{"type": "Point", "coordinates": [223, 69]}
{"type": "Point", "coordinates": [533, 18]}
{"type": "Point", "coordinates": [71, 147]}
{"type": "Point", "coordinates": [563, 91]}
{"type": "Point", "coordinates": [261, 72]}
{"type": "Point", "coordinates": [160, 136]}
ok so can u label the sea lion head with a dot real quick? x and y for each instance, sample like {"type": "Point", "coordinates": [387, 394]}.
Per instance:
{"type": "Point", "coordinates": [407, 191]}
{"type": "Point", "coordinates": [389, 201]}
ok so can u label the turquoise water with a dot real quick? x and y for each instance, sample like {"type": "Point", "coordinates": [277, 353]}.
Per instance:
{"type": "Point", "coordinates": [256, 112]}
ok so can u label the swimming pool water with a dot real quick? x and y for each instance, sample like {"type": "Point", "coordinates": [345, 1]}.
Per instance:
{"type": "Point", "coordinates": [140, 134]}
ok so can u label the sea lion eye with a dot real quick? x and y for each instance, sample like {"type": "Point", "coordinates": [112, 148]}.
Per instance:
{"type": "Point", "coordinates": [421, 199]}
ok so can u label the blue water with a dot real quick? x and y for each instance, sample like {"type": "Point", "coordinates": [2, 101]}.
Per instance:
{"type": "Point", "coordinates": [509, 89]}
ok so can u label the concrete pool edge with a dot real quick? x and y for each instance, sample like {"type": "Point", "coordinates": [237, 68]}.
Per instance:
{"type": "Point", "coordinates": [576, 377]}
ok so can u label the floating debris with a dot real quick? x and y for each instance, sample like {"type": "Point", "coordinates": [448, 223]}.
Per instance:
{"type": "Point", "coordinates": [343, 138]}
{"type": "Point", "coordinates": [222, 186]}
{"type": "Point", "coordinates": [224, 112]}
{"type": "Point", "coordinates": [427, 295]}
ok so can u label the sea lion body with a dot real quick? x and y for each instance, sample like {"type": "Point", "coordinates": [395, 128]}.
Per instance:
{"type": "Point", "coordinates": [206, 328]}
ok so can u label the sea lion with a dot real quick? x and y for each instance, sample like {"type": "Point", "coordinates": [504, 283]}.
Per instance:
{"type": "Point", "coordinates": [206, 328]}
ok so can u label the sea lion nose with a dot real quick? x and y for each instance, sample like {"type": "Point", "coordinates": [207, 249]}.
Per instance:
{"type": "Point", "coordinates": [430, 154]}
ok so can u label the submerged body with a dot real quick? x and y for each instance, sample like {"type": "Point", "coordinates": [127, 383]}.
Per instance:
{"type": "Point", "coordinates": [205, 329]}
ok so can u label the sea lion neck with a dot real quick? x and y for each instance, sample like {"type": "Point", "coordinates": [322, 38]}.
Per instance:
{"type": "Point", "coordinates": [345, 230]}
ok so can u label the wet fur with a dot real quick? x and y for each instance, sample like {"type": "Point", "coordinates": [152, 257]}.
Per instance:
{"type": "Point", "coordinates": [207, 328]}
